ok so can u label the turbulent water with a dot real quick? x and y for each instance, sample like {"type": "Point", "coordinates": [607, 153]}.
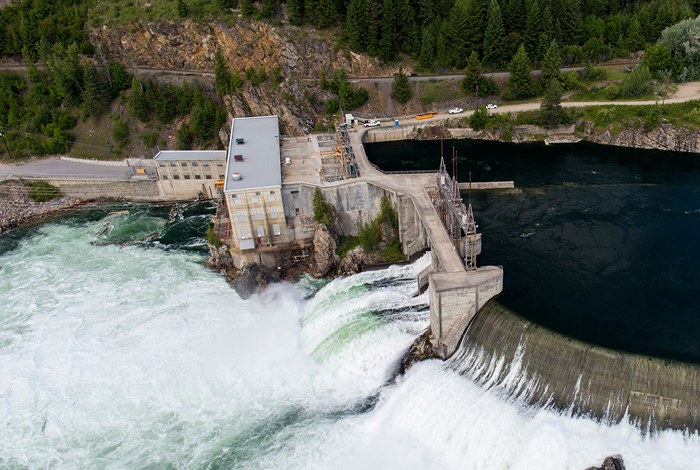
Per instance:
{"type": "Point", "coordinates": [118, 353]}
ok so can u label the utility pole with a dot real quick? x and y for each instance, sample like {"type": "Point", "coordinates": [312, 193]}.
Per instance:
{"type": "Point", "coordinates": [477, 97]}
{"type": "Point", "coordinates": [8, 148]}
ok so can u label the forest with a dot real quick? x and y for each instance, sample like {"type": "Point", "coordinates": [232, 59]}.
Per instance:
{"type": "Point", "coordinates": [79, 79]}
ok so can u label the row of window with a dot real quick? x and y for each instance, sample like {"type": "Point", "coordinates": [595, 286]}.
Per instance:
{"type": "Point", "coordinates": [260, 230]}
{"type": "Point", "coordinates": [254, 199]}
{"type": "Point", "coordinates": [257, 215]}
{"type": "Point", "coordinates": [197, 177]}
{"type": "Point", "coordinates": [195, 164]}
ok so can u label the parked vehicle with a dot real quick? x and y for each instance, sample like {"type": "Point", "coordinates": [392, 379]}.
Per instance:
{"type": "Point", "coordinates": [372, 123]}
{"type": "Point", "coordinates": [491, 106]}
{"type": "Point", "coordinates": [455, 110]}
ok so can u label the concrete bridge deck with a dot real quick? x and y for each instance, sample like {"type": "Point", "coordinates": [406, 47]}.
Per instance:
{"type": "Point", "coordinates": [456, 295]}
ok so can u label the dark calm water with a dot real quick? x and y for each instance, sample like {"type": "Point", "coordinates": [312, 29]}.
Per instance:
{"type": "Point", "coordinates": [600, 243]}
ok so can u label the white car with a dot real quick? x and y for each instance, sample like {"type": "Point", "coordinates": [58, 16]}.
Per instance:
{"type": "Point", "coordinates": [373, 123]}
{"type": "Point", "coordinates": [455, 110]}
{"type": "Point", "coordinates": [491, 106]}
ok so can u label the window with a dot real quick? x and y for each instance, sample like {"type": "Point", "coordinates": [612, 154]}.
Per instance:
{"type": "Point", "coordinates": [165, 177]}
{"type": "Point", "coordinates": [237, 202]}
{"type": "Point", "coordinates": [198, 177]}
{"type": "Point", "coordinates": [187, 177]}
{"type": "Point", "coordinates": [205, 163]}
{"type": "Point", "coordinates": [276, 229]}
{"type": "Point", "coordinates": [273, 213]}
{"type": "Point", "coordinates": [176, 177]}
{"type": "Point", "coordinates": [254, 200]}
{"type": "Point", "coordinates": [183, 163]}
{"type": "Point", "coordinates": [173, 164]}
{"type": "Point", "coordinates": [261, 230]}
{"type": "Point", "coordinates": [221, 177]}
{"type": "Point", "coordinates": [195, 164]}
{"type": "Point", "coordinates": [161, 163]}
{"type": "Point", "coordinates": [207, 177]}
{"type": "Point", "coordinates": [219, 164]}
{"type": "Point", "coordinates": [244, 233]}
{"type": "Point", "coordinates": [271, 198]}
{"type": "Point", "coordinates": [241, 216]}
{"type": "Point", "coordinates": [256, 215]}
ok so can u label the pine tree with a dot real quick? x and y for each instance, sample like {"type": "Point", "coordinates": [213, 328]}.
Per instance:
{"type": "Point", "coordinates": [236, 79]}
{"type": "Point", "coordinates": [635, 40]}
{"type": "Point", "coordinates": [515, 16]}
{"type": "Point", "coordinates": [476, 19]}
{"type": "Point", "coordinates": [494, 38]}
{"type": "Point", "coordinates": [295, 12]}
{"type": "Point", "coordinates": [402, 87]}
{"type": "Point", "coordinates": [404, 25]}
{"type": "Point", "coordinates": [222, 77]}
{"type": "Point", "coordinates": [325, 14]}
{"type": "Point", "coordinates": [93, 96]}
{"type": "Point", "coordinates": [373, 28]}
{"type": "Point", "coordinates": [520, 84]}
{"type": "Point", "coordinates": [444, 47]}
{"type": "Point", "coordinates": [426, 52]}
{"type": "Point", "coordinates": [268, 8]}
{"type": "Point", "coordinates": [355, 24]}
{"type": "Point", "coordinates": [456, 25]}
{"type": "Point", "coordinates": [472, 74]}
{"type": "Point", "coordinates": [139, 105]}
{"type": "Point", "coordinates": [570, 21]}
{"type": "Point", "coordinates": [551, 64]}
{"type": "Point", "coordinates": [551, 111]}
{"type": "Point", "coordinates": [533, 30]}
{"type": "Point", "coordinates": [387, 44]}
{"type": "Point", "coordinates": [182, 9]}
{"type": "Point", "coordinates": [247, 8]}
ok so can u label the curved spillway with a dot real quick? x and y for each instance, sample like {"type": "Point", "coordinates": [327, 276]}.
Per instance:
{"type": "Point", "coordinates": [542, 367]}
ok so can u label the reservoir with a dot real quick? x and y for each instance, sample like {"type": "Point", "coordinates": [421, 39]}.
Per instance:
{"type": "Point", "coordinates": [597, 242]}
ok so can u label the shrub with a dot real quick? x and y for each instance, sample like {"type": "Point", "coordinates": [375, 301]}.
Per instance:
{"type": "Point", "coordinates": [331, 106]}
{"type": "Point", "coordinates": [121, 133]}
{"type": "Point", "coordinates": [212, 238]}
{"type": "Point", "coordinates": [477, 121]}
{"type": "Point", "coordinates": [322, 210]}
{"type": "Point", "coordinates": [612, 91]}
{"type": "Point", "coordinates": [41, 191]}
{"type": "Point", "coordinates": [387, 213]}
{"type": "Point", "coordinates": [693, 116]}
{"type": "Point", "coordinates": [369, 235]}
{"type": "Point", "coordinates": [638, 83]}
{"type": "Point", "coordinates": [66, 121]}
{"type": "Point", "coordinates": [605, 116]}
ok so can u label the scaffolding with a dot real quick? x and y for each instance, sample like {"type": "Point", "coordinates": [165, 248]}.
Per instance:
{"type": "Point", "coordinates": [457, 218]}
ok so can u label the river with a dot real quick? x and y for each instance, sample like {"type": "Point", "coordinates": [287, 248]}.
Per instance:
{"type": "Point", "coordinates": [118, 353]}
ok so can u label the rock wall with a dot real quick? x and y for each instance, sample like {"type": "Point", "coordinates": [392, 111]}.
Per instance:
{"type": "Point", "coordinates": [544, 367]}
{"type": "Point", "coordinates": [663, 137]}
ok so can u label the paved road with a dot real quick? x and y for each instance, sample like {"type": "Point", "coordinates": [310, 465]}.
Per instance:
{"type": "Point", "coordinates": [63, 168]}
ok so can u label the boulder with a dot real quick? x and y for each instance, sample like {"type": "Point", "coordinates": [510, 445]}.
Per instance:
{"type": "Point", "coordinates": [253, 279]}
{"type": "Point", "coordinates": [219, 258]}
{"type": "Point", "coordinates": [356, 258]}
{"type": "Point", "coordinates": [613, 462]}
{"type": "Point", "coordinates": [325, 257]}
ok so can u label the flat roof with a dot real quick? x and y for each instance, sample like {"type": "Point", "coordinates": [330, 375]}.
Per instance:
{"type": "Point", "coordinates": [191, 155]}
{"type": "Point", "coordinates": [260, 166]}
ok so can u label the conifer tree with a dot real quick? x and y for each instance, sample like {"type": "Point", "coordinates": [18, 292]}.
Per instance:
{"type": "Point", "coordinates": [494, 38]}
{"type": "Point", "coordinates": [373, 28]}
{"type": "Point", "coordinates": [404, 25]}
{"type": "Point", "coordinates": [444, 46]}
{"type": "Point", "coordinates": [476, 20]}
{"type": "Point", "coordinates": [222, 77]}
{"type": "Point", "coordinates": [514, 16]}
{"type": "Point", "coordinates": [324, 14]}
{"type": "Point", "coordinates": [236, 79]}
{"type": "Point", "coordinates": [182, 9]}
{"type": "Point", "coordinates": [551, 111]}
{"type": "Point", "coordinates": [427, 51]}
{"type": "Point", "coordinates": [139, 105]}
{"type": "Point", "coordinates": [551, 64]}
{"type": "Point", "coordinates": [387, 44]}
{"type": "Point", "coordinates": [355, 24]}
{"type": "Point", "coordinates": [402, 86]}
{"type": "Point", "coordinates": [268, 8]}
{"type": "Point", "coordinates": [295, 12]}
{"type": "Point", "coordinates": [247, 8]}
{"type": "Point", "coordinates": [456, 25]}
{"type": "Point", "coordinates": [520, 84]}
{"type": "Point", "coordinates": [533, 29]}
{"type": "Point", "coordinates": [93, 96]}
{"type": "Point", "coordinates": [635, 40]}
{"type": "Point", "coordinates": [570, 21]}
{"type": "Point", "coordinates": [472, 74]}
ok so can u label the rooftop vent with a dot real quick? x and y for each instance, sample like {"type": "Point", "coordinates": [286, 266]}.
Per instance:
{"type": "Point", "coordinates": [238, 158]}
{"type": "Point", "coordinates": [240, 141]}
{"type": "Point", "coordinates": [236, 177]}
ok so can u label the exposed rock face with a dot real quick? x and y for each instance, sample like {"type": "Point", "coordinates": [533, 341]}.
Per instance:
{"type": "Point", "coordinates": [253, 279]}
{"type": "Point", "coordinates": [614, 462]}
{"type": "Point", "coordinates": [188, 45]}
{"type": "Point", "coordinates": [325, 257]}
{"type": "Point", "coordinates": [663, 137]}
{"type": "Point", "coordinates": [421, 349]}
{"type": "Point", "coordinates": [219, 258]}
{"type": "Point", "coordinates": [355, 258]}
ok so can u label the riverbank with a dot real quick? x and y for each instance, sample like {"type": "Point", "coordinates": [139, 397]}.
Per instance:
{"type": "Point", "coordinates": [17, 208]}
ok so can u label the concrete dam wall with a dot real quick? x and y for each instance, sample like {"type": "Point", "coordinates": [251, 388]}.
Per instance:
{"type": "Point", "coordinates": [505, 351]}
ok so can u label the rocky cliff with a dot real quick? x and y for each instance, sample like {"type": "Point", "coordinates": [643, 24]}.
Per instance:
{"type": "Point", "coordinates": [301, 52]}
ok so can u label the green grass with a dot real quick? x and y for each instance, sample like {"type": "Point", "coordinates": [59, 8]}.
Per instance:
{"type": "Point", "coordinates": [677, 114]}
{"type": "Point", "coordinates": [126, 12]}
{"type": "Point", "coordinates": [598, 94]}
{"type": "Point", "coordinates": [441, 90]}
{"type": "Point", "coordinates": [41, 191]}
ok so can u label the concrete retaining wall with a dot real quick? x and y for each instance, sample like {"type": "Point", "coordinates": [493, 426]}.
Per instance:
{"type": "Point", "coordinates": [138, 190]}
{"type": "Point", "coordinates": [590, 380]}
{"type": "Point", "coordinates": [389, 134]}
